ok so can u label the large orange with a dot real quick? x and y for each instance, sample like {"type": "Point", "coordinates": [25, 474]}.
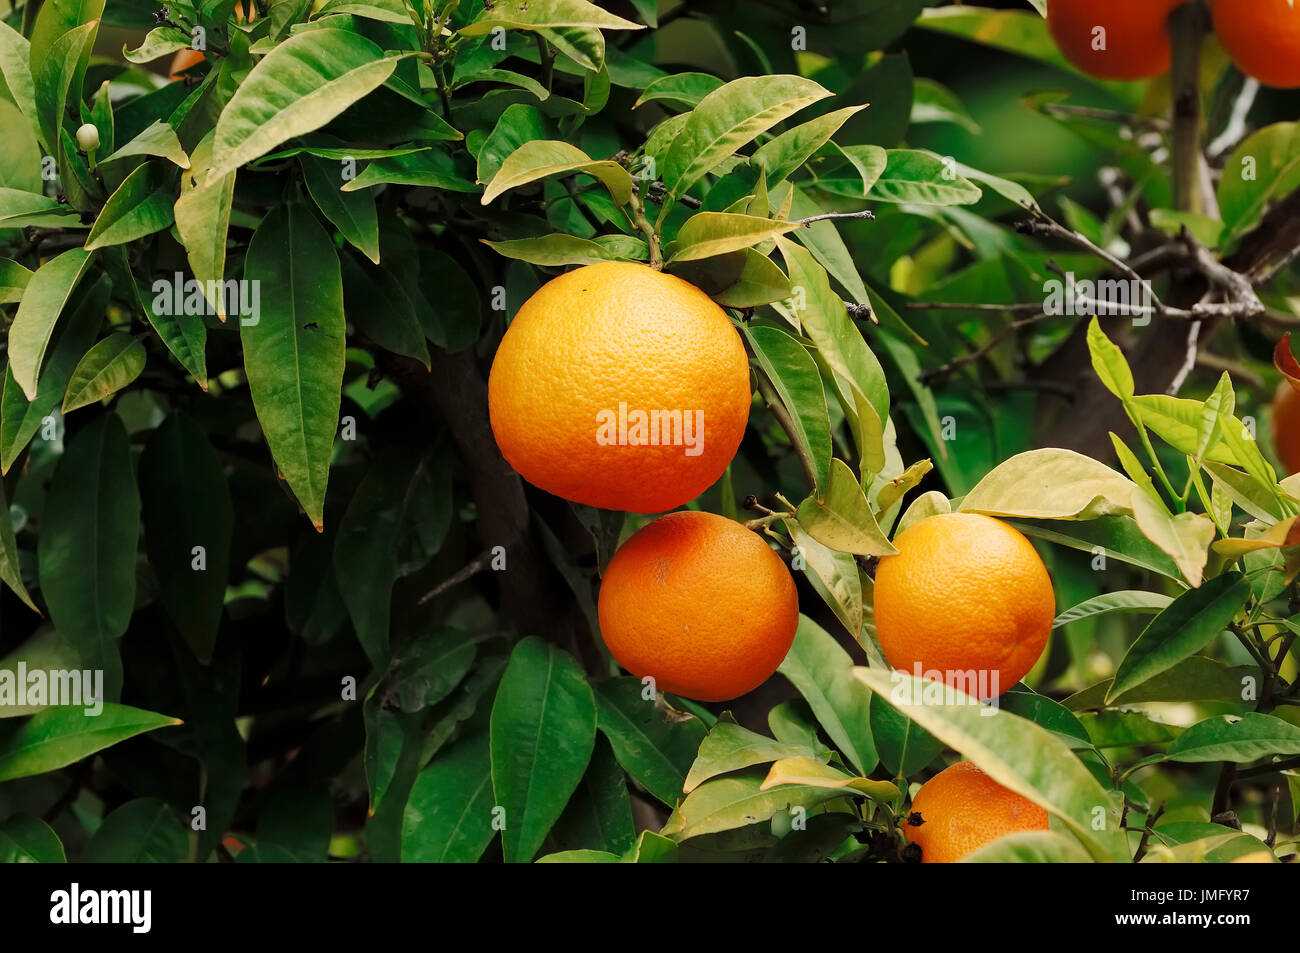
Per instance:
{"type": "Point", "coordinates": [1286, 426]}
{"type": "Point", "coordinates": [966, 597]}
{"type": "Point", "coordinates": [620, 387]}
{"type": "Point", "coordinates": [700, 603]}
{"type": "Point", "coordinates": [1262, 37]}
{"type": "Point", "coordinates": [962, 809]}
{"type": "Point", "coordinates": [1114, 39]}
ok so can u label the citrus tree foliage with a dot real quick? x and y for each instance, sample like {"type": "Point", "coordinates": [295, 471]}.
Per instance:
{"type": "Point", "coordinates": [249, 475]}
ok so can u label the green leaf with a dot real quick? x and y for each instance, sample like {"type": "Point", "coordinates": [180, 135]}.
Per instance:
{"type": "Point", "coordinates": [833, 575]}
{"type": "Point", "coordinates": [1111, 537]}
{"type": "Point", "coordinates": [1185, 538]}
{"type": "Point", "coordinates": [822, 672]}
{"type": "Point", "coordinates": [1189, 624]}
{"type": "Point", "coordinates": [20, 419]}
{"type": "Point", "coordinates": [107, 367]}
{"type": "Point", "coordinates": [842, 519]}
{"type": "Point", "coordinates": [783, 154]}
{"type": "Point", "coordinates": [87, 546]}
{"type": "Point", "coordinates": [19, 208]}
{"type": "Point", "coordinates": [1109, 362]}
{"type": "Point", "coordinates": [552, 251]}
{"type": "Point", "coordinates": [430, 168]}
{"type": "Point", "coordinates": [294, 350]}
{"type": "Point", "coordinates": [55, 19]}
{"type": "Point", "coordinates": [10, 570]}
{"type": "Point", "coordinates": [353, 213]}
{"type": "Point", "coordinates": [809, 772]}
{"type": "Point", "coordinates": [57, 737]}
{"type": "Point", "coordinates": [728, 118]}
{"type": "Point", "coordinates": [921, 178]}
{"type": "Point", "coordinates": [1051, 484]}
{"type": "Point", "coordinates": [377, 303]}
{"type": "Point", "coordinates": [654, 744]}
{"type": "Point", "coordinates": [15, 67]}
{"type": "Point", "coordinates": [545, 15]}
{"type": "Point", "coordinates": [1249, 492]}
{"type": "Point", "coordinates": [540, 158]}
{"type": "Point", "coordinates": [13, 281]}
{"type": "Point", "coordinates": [366, 552]}
{"type": "Point", "coordinates": [188, 521]}
{"type": "Point", "coordinates": [141, 206]}
{"type": "Point", "coordinates": [1193, 679]}
{"type": "Point", "coordinates": [202, 214]}
{"type": "Point", "coordinates": [707, 234]}
{"type": "Point", "coordinates": [543, 733]}
{"type": "Point", "coordinates": [1237, 738]}
{"type": "Point", "coordinates": [157, 43]}
{"type": "Point", "coordinates": [794, 376]}
{"type": "Point", "coordinates": [47, 293]}
{"type": "Point", "coordinates": [599, 815]}
{"type": "Point", "coordinates": [143, 831]}
{"type": "Point", "coordinates": [1126, 601]}
{"type": "Point", "coordinates": [25, 839]}
{"type": "Point", "coordinates": [1264, 168]}
{"type": "Point", "coordinates": [1029, 847]}
{"type": "Point", "coordinates": [298, 87]}
{"type": "Point", "coordinates": [729, 747]}
{"type": "Point", "coordinates": [737, 801]}
{"type": "Point", "coordinates": [157, 139]}
{"type": "Point", "coordinates": [184, 334]}
{"type": "Point", "coordinates": [55, 69]}
{"type": "Point", "coordinates": [761, 282]}
{"type": "Point", "coordinates": [686, 89]}
{"type": "Point", "coordinates": [1015, 752]}
{"type": "Point", "coordinates": [904, 746]}
{"type": "Point", "coordinates": [448, 817]}
{"type": "Point", "coordinates": [859, 378]}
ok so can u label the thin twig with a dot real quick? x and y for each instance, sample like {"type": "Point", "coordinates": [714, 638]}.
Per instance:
{"type": "Point", "coordinates": [477, 565]}
{"type": "Point", "coordinates": [774, 404]}
{"type": "Point", "coordinates": [866, 214]}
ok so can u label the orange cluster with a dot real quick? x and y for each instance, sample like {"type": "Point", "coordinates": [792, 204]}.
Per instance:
{"type": "Point", "coordinates": [1130, 39]}
{"type": "Point", "coordinates": [620, 387]}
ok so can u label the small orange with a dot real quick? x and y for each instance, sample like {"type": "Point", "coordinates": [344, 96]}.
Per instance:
{"type": "Point", "coordinates": [1262, 37]}
{"type": "Point", "coordinates": [700, 603]}
{"type": "Point", "coordinates": [967, 597]}
{"type": "Point", "coordinates": [1114, 39]}
{"type": "Point", "coordinates": [620, 387]}
{"type": "Point", "coordinates": [1286, 426]}
{"type": "Point", "coordinates": [962, 809]}
{"type": "Point", "coordinates": [184, 59]}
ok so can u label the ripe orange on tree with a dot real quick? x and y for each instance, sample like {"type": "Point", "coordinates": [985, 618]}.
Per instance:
{"type": "Point", "coordinates": [1286, 426]}
{"type": "Point", "coordinates": [961, 809]}
{"type": "Point", "coordinates": [184, 59]}
{"type": "Point", "coordinates": [964, 594]}
{"type": "Point", "coordinates": [620, 387]}
{"type": "Point", "coordinates": [700, 603]}
{"type": "Point", "coordinates": [1262, 37]}
{"type": "Point", "coordinates": [1114, 39]}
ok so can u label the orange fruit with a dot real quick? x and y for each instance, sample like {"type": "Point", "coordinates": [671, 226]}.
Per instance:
{"type": "Point", "coordinates": [966, 596]}
{"type": "Point", "coordinates": [700, 603]}
{"type": "Point", "coordinates": [620, 387]}
{"type": "Point", "coordinates": [184, 59]}
{"type": "Point", "coordinates": [962, 809]}
{"type": "Point", "coordinates": [1262, 37]}
{"type": "Point", "coordinates": [1286, 426]}
{"type": "Point", "coordinates": [1114, 39]}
